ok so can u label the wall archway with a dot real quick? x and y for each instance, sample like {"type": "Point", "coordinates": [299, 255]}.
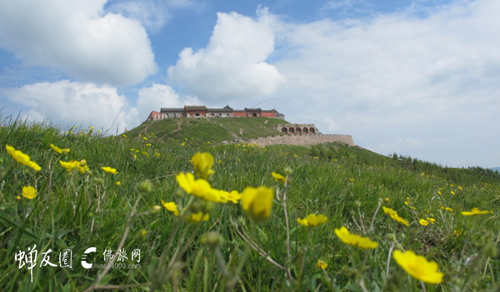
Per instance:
{"type": "Point", "coordinates": [312, 131]}
{"type": "Point", "coordinates": [284, 130]}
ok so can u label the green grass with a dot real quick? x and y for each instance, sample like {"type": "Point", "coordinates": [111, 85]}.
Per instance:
{"type": "Point", "coordinates": [347, 184]}
{"type": "Point", "coordinates": [208, 130]}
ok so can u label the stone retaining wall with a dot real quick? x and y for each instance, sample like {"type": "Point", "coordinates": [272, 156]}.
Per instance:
{"type": "Point", "coordinates": [303, 140]}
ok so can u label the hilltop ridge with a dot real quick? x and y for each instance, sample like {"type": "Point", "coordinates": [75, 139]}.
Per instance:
{"type": "Point", "coordinates": [209, 130]}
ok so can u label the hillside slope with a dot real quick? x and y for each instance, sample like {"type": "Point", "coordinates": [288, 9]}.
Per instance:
{"type": "Point", "coordinates": [205, 130]}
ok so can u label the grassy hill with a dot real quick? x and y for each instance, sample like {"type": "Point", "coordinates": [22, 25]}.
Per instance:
{"type": "Point", "coordinates": [208, 130]}
{"type": "Point", "coordinates": [123, 211]}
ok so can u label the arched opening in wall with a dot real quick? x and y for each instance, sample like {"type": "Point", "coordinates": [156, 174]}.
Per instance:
{"type": "Point", "coordinates": [312, 131]}
{"type": "Point", "coordinates": [254, 114]}
{"type": "Point", "coordinates": [284, 130]}
{"type": "Point", "coordinates": [197, 114]}
{"type": "Point", "coordinates": [299, 131]}
{"type": "Point", "coordinates": [212, 114]}
{"type": "Point", "coordinates": [291, 131]}
{"type": "Point", "coordinates": [306, 131]}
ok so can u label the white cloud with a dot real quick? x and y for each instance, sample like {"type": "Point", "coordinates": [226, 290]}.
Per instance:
{"type": "Point", "coordinates": [157, 96]}
{"type": "Point", "coordinates": [77, 38]}
{"type": "Point", "coordinates": [233, 65]}
{"type": "Point", "coordinates": [153, 14]}
{"type": "Point", "coordinates": [398, 78]}
{"type": "Point", "coordinates": [73, 104]}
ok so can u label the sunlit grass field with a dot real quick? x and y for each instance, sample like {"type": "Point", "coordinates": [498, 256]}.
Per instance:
{"type": "Point", "coordinates": [260, 248]}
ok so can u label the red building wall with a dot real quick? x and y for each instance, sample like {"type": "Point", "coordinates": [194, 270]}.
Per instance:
{"type": "Point", "coordinates": [239, 113]}
{"type": "Point", "coordinates": [268, 114]}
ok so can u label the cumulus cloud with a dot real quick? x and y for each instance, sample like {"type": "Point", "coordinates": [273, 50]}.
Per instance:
{"type": "Point", "coordinates": [153, 14]}
{"type": "Point", "coordinates": [67, 103]}
{"type": "Point", "coordinates": [399, 78]}
{"type": "Point", "coordinates": [78, 38]}
{"type": "Point", "coordinates": [157, 96]}
{"type": "Point", "coordinates": [233, 65]}
{"type": "Point", "coordinates": [72, 104]}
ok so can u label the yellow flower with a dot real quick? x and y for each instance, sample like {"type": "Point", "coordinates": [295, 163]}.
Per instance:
{"type": "Point", "coordinates": [354, 239]}
{"type": "Point", "coordinates": [59, 150]}
{"type": "Point", "coordinates": [232, 196]}
{"type": "Point", "coordinates": [423, 222]}
{"type": "Point", "coordinates": [387, 200]}
{"type": "Point", "coordinates": [431, 220]}
{"type": "Point", "coordinates": [474, 211]}
{"type": "Point", "coordinates": [172, 207]}
{"type": "Point", "coordinates": [452, 192]}
{"type": "Point", "coordinates": [257, 202]}
{"type": "Point", "coordinates": [109, 170]}
{"type": "Point", "coordinates": [70, 165]}
{"type": "Point", "coordinates": [198, 217]}
{"type": "Point", "coordinates": [312, 220]}
{"type": "Point", "coordinates": [321, 265]}
{"type": "Point", "coordinates": [199, 188]}
{"type": "Point", "coordinates": [22, 158]}
{"type": "Point", "coordinates": [446, 208]}
{"type": "Point", "coordinates": [81, 165]}
{"type": "Point", "coordinates": [418, 266]}
{"type": "Point", "coordinates": [118, 183]}
{"type": "Point", "coordinates": [29, 192]}
{"type": "Point", "coordinates": [439, 193]}
{"type": "Point", "coordinates": [394, 215]}
{"type": "Point", "coordinates": [203, 163]}
{"type": "Point", "coordinates": [278, 177]}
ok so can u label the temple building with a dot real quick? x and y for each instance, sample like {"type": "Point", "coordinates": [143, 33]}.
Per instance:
{"type": "Point", "coordinates": [195, 111]}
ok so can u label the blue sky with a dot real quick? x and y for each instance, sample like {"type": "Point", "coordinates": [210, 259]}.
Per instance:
{"type": "Point", "coordinates": [415, 77]}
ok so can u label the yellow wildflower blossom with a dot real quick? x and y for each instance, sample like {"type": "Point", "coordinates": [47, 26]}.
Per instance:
{"type": "Point", "coordinates": [203, 163]}
{"type": "Point", "coordinates": [446, 208]}
{"type": "Point", "coordinates": [109, 170]}
{"type": "Point", "coordinates": [278, 177]}
{"type": "Point", "coordinates": [394, 215]}
{"type": "Point", "coordinates": [418, 267]}
{"type": "Point", "coordinates": [475, 211]}
{"type": "Point", "coordinates": [199, 187]}
{"type": "Point", "coordinates": [423, 222]}
{"type": "Point", "coordinates": [172, 207]}
{"type": "Point", "coordinates": [232, 196]}
{"type": "Point", "coordinates": [198, 217]}
{"type": "Point", "coordinates": [70, 165]}
{"type": "Point", "coordinates": [257, 202]}
{"type": "Point", "coordinates": [353, 239]}
{"type": "Point", "coordinates": [29, 192]}
{"type": "Point", "coordinates": [312, 220]}
{"type": "Point", "coordinates": [321, 265]}
{"type": "Point", "coordinates": [59, 150]}
{"type": "Point", "coordinates": [118, 183]}
{"type": "Point", "coordinates": [22, 158]}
